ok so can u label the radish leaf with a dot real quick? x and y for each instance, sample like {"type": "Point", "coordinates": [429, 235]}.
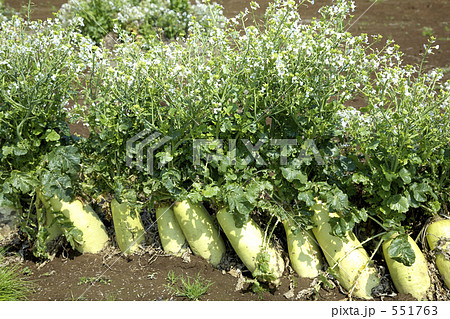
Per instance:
{"type": "Point", "coordinates": [400, 250]}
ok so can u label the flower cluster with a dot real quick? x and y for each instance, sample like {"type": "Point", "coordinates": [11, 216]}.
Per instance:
{"type": "Point", "coordinates": [146, 18]}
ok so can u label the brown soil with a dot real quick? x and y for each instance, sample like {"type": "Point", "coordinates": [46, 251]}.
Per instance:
{"type": "Point", "coordinates": [144, 277]}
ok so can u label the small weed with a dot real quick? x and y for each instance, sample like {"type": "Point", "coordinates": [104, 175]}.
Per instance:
{"type": "Point", "coordinates": [294, 283]}
{"type": "Point", "coordinates": [325, 282]}
{"type": "Point", "coordinates": [92, 280]}
{"type": "Point", "coordinates": [427, 31]}
{"type": "Point", "coordinates": [12, 284]}
{"type": "Point", "coordinates": [258, 289]}
{"type": "Point", "coordinates": [263, 270]}
{"type": "Point", "coordinates": [191, 288]}
{"type": "Point", "coordinates": [172, 278]}
{"type": "Point", "coordinates": [27, 271]}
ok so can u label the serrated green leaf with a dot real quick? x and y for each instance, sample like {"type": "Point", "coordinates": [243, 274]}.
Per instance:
{"type": "Point", "coordinates": [415, 159]}
{"type": "Point", "coordinates": [388, 235]}
{"type": "Point", "coordinates": [291, 174]}
{"type": "Point", "coordinates": [347, 164]}
{"type": "Point", "coordinates": [385, 185]}
{"type": "Point", "coordinates": [405, 175]}
{"type": "Point", "coordinates": [59, 185]}
{"type": "Point", "coordinates": [64, 160]}
{"type": "Point", "coordinates": [170, 180]}
{"type": "Point", "coordinates": [164, 158]}
{"type": "Point", "coordinates": [340, 226]}
{"type": "Point", "coordinates": [147, 190]}
{"type": "Point", "coordinates": [124, 127]}
{"type": "Point", "coordinates": [373, 145]}
{"type": "Point", "coordinates": [130, 196]}
{"type": "Point", "coordinates": [253, 191]}
{"type": "Point", "coordinates": [398, 203]}
{"type": "Point", "coordinates": [52, 136]}
{"type": "Point", "coordinates": [7, 150]}
{"type": "Point", "coordinates": [383, 194]}
{"type": "Point", "coordinates": [24, 182]}
{"type": "Point", "coordinates": [5, 201]}
{"type": "Point", "coordinates": [360, 178]}
{"type": "Point", "coordinates": [420, 191]}
{"type": "Point", "coordinates": [21, 149]}
{"type": "Point", "coordinates": [401, 251]}
{"type": "Point", "coordinates": [73, 235]}
{"type": "Point", "coordinates": [118, 189]}
{"type": "Point", "coordinates": [390, 176]}
{"type": "Point", "coordinates": [360, 215]}
{"type": "Point", "coordinates": [307, 197]}
{"type": "Point", "coordinates": [211, 191]}
{"type": "Point", "coordinates": [239, 204]}
{"type": "Point", "coordinates": [337, 200]}
{"type": "Point", "coordinates": [435, 206]}
{"type": "Point", "coordinates": [411, 201]}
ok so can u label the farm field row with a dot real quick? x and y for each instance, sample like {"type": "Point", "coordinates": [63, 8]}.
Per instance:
{"type": "Point", "coordinates": [160, 150]}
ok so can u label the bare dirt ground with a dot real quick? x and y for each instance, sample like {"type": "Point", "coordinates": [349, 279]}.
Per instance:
{"type": "Point", "coordinates": [145, 276]}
